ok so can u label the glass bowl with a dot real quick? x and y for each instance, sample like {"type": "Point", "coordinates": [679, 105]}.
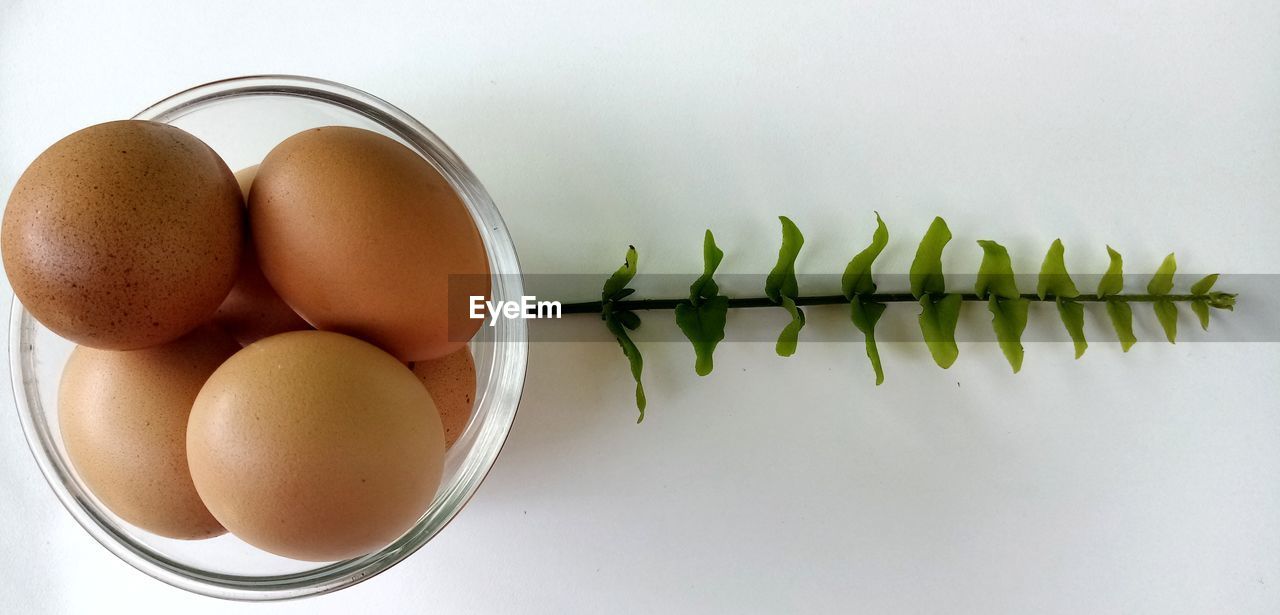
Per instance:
{"type": "Point", "coordinates": [243, 119]}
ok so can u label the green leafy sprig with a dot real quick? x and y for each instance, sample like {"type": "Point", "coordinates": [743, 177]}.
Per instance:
{"type": "Point", "coordinates": [1008, 309]}
{"type": "Point", "coordinates": [619, 320]}
{"type": "Point", "coordinates": [703, 315]}
{"type": "Point", "coordinates": [860, 289]}
{"type": "Point", "coordinates": [782, 288]}
{"type": "Point", "coordinates": [939, 311]}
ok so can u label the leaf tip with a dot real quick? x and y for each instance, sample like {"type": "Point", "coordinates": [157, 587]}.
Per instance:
{"type": "Point", "coordinates": [1205, 284]}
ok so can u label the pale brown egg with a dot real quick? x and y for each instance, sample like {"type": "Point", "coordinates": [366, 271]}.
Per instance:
{"type": "Point", "coordinates": [123, 417]}
{"type": "Point", "coordinates": [124, 235]}
{"type": "Point", "coordinates": [362, 236]}
{"type": "Point", "coordinates": [253, 310]}
{"type": "Point", "coordinates": [315, 446]}
{"type": "Point", "coordinates": [451, 381]}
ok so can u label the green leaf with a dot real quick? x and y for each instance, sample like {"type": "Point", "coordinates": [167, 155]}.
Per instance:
{"type": "Point", "coordinates": [702, 318]}
{"type": "Point", "coordinates": [1009, 320]}
{"type": "Point", "coordinates": [1112, 282]}
{"type": "Point", "coordinates": [632, 353]}
{"type": "Point", "coordinates": [857, 281]}
{"type": "Point", "coordinates": [1072, 314]}
{"type": "Point", "coordinates": [1122, 319]}
{"type": "Point", "coordinates": [938, 318]}
{"type": "Point", "coordinates": [628, 319]}
{"type": "Point", "coordinates": [1201, 309]}
{"type": "Point", "coordinates": [615, 285]}
{"type": "Point", "coordinates": [926, 270]}
{"type": "Point", "coordinates": [782, 280]}
{"type": "Point", "coordinates": [788, 339]}
{"type": "Point", "coordinates": [619, 321]}
{"type": "Point", "coordinates": [865, 315]}
{"type": "Point", "coordinates": [705, 287]}
{"type": "Point", "coordinates": [1162, 282]}
{"type": "Point", "coordinates": [857, 275]}
{"type": "Point", "coordinates": [781, 286]}
{"type": "Point", "coordinates": [1167, 314]}
{"type": "Point", "coordinates": [1204, 285]}
{"type": "Point", "coordinates": [1054, 279]}
{"type": "Point", "coordinates": [995, 274]}
{"type": "Point", "coordinates": [704, 326]}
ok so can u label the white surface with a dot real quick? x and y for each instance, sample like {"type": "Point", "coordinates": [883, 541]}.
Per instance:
{"type": "Point", "coordinates": [1148, 483]}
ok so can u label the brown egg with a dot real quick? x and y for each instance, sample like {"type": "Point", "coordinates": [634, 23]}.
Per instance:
{"type": "Point", "coordinates": [315, 446]}
{"type": "Point", "coordinates": [123, 235]}
{"type": "Point", "coordinates": [253, 310]}
{"type": "Point", "coordinates": [362, 236]}
{"type": "Point", "coordinates": [451, 381]}
{"type": "Point", "coordinates": [123, 416]}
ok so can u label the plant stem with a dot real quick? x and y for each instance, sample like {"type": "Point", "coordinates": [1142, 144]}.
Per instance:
{"type": "Point", "coordinates": [594, 307]}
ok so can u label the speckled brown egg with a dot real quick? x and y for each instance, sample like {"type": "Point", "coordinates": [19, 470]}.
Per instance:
{"type": "Point", "coordinates": [362, 236]}
{"type": "Point", "coordinates": [315, 446]}
{"type": "Point", "coordinates": [253, 310]}
{"type": "Point", "coordinates": [123, 235]}
{"type": "Point", "coordinates": [451, 381]}
{"type": "Point", "coordinates": [123, 417]}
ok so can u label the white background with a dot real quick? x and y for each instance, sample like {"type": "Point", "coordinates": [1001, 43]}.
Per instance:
{"type": "Point", "coordinates": [1144, 483]}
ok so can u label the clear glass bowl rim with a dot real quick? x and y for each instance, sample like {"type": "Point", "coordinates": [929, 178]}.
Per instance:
{"type": "Point", "coordinates": [510, 345]}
